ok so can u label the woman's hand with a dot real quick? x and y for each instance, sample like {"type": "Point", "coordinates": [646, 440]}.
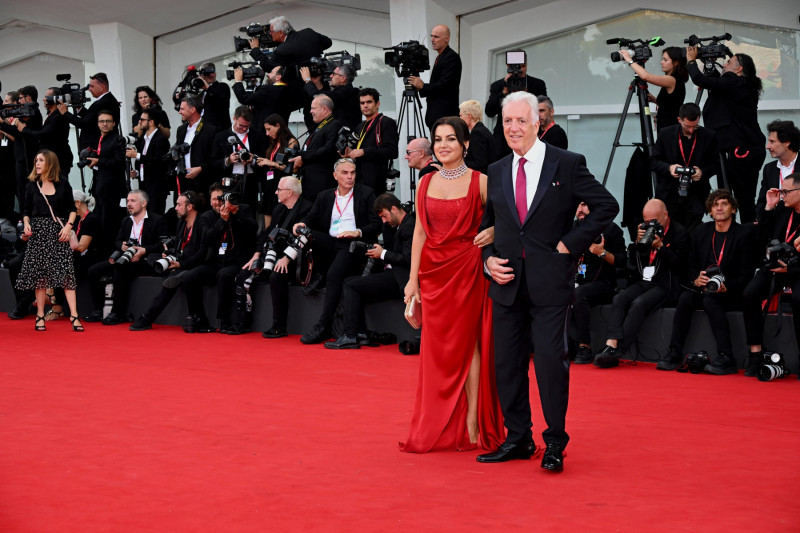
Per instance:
{"type": "Point", "coordinates": [484, 238]}
{"type": "Point", "coordinates": [63, 235]}
{"type": "Point", "coordinates": [26, 229]}
{"type": "Point", "coordinates": [411, 291]}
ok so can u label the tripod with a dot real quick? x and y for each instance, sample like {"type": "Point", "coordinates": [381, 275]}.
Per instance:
{"type": "Point", "coordinates": [411, 98]}
{"type": "Point", "coordinates": [640, 88]}
{"type": "Point", "coordinates": [710, 70]}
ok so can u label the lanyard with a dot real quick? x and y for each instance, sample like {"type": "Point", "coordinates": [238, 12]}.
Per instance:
{"type": "Point", "coordinates": [680, 144]}
{"type": "Point", "coordinates": [364, 130]}
{"type": "Point", "coordinates": [791, 171]}
{"type": "Point", "coordinates": [78, 231]}
{"type": "Point", "coordinates": [244, 139]}
{"type": "Point", "coordinates": [186, 238]}
{"type": "Point", "coordinates": [654, 251]}
{"type": "Point", "coordinates": [789, 226]}
{"type": "Point", "coordinates": [721, 250]}
{"type": "Point", "coordinates": [321, 125]}
{"type": "Point", "coordinates": [133, 230]}
{"type": "Point", "coordinates": [547, 129]}
{"type": "Point", "coordinates": [274, 151]}
{"type": "Point", "coordinates": [336, 202]}
{"type": "Point", "coordinates": [99, 142]}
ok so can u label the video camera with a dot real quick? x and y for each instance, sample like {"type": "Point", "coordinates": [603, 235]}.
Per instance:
{"type": "Point", "coordinates": [259, 31]}
{"type": "Point", "coordinates": [780, 251]}
{"type": "Point", "coordinates": [325, 65]}
{"type": "Point", "coordinates": [84, 155]}
{"type": "Point", "coordinates": [251, 71]}
{"type": "Point", "coordinates": [517, 81]}
{"type": "Point", "coordinates": [190, 84]}
{"type": "Point", "coordinates": [709, 53]}
{"type": "Point", "coordinates": [639, 48]}
{"type": "Point", "coordinates": [408, 58]}
{"type": "Point", "coordinates": [18, 110]}
{"type": "Point", "coordinates": [71, 93]}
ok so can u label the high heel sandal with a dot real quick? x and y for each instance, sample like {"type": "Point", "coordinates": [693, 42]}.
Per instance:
{"type": "Point", "coordinates": [36, 325]}
{"type": "Point", "coordinates": [79, 327]}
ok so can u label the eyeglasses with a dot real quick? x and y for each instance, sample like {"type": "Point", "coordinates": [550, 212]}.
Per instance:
{"type": "Point", "coordinates": [346, 160]}
{"type": "Point", "coordinates": [279, 189]}
{"type": "Point", "coordinates": [409, 152]}
{"type": "Point", "coordinates": [105, 121]}
{"type": "Point", "coordinates": [784, 192]}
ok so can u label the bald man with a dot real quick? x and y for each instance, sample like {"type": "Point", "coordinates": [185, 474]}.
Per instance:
{"type": "Point", "coordinates": [660, 265]}
{"type": "Point", "coordinates": [441, 93]}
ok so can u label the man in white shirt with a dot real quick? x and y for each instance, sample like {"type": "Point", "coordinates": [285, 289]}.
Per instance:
{"type": "Point", "coordinates": [149, 166]}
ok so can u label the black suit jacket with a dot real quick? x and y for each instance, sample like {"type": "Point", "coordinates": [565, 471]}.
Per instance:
{"type": "Point", "coordinates": [441, 93]}
{"type": "Point", "coordinates": [199, 156]}
{"type": "Point", "coordinates": [494, 107]}
{"type": "Point", "coordinates": [319, 218]}
{"type": "Point", "coordinates": [109, 183]}
{"type": "Point", "coordinates": [670, 262]}
{"type": "Point", "coordinates": [53, 134]}
{"type": "Point", "coordinates": [284, 218]}
{"type": "Point", "coordinates": [86, 119]}
{"type": "Point", "coordinates": [222, 149]}
{"type": "Point", "coordinates": [346, 102]}
{"type": "Point", "coordinates": [155, 167]}
{"type": "Point", "coordinates": [265, 100]}
{"type": "Point", "coordinates": [399, 257]}
{"type": "Point", "coordinates": [564, 183]}
{"type": "Point", "coordinates": [238, 232]}
{"type": "Point", "coordinates": [372, 167]}
{"type": "Point", "coordinates": [738, 257]}
{"type": "Point", "coordinates": [319, 154]}
{"type": "Point", "coordinates": [217, 105]}
{"type": "Point", "coordinates": [481, 148]}
{"type": "Point", "coordinates": [556, 136]}
{"type": "Point", "coordinates": [299, 46]}
{"type": "Point", "coordinates": [153, 229]}
{"type": "Point", "coordinates": [667, 151]}
{"type": "Point", "coordinates": [195, 251]}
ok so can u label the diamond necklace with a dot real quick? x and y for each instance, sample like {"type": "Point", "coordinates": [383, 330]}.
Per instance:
{"type": "Point", "coordinates": [453, 173]}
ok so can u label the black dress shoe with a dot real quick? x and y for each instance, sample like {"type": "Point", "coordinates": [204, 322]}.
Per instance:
{"type": "Point", "coordinates": [553, 458]}
{"type": "Point", "coordinates": [583, 356]}
{"type": "Point", "coordinates": [314, 285]}
{"type": "Point", "coordinates": [94, 316]}
{"type": "Point", "coordinates": [204, 327]}
{"type": "Point", "coordinates": [343, 343]}
{"type": "Point", "coordinates": [190, 324]}
{"type": "Point", "coordinates": [275, 333]}
{"type": "Point", "coordinates": [140, 324]}
{"type": "Point", "coordinates": [317, 334]}
{"type": "Point", "coordinates": [608, 358]}
{"type": "Point", "coordinates": [18, 313]}
{"type": "Point", "coordinates": [236, 329]}
{"type": "Point", "coordinates": [508, 451]}
{"type": "Point", "coordinates": [112, 319]}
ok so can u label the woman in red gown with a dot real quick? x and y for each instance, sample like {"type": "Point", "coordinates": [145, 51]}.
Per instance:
{"type": "Point", "coordinates": [456, 405]}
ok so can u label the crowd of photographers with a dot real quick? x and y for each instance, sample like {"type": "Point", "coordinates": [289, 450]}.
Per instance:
{"type": "Point", "coordinates": [231, 175]}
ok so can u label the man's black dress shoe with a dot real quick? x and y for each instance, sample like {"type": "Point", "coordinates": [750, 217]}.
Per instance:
{"type": "Point", "coordinates": [553, 458]}
{"type": "Point", "coordinates": [314, 285]}
{"type": "Point", "coordinates": [317, 334]}
{"type": "Point", "coordinates": [142, 323]}
{"type": "Point", "coordinates": [94, 316]}
{"type": "Point", "coordinates": [343, 343]}
{"type": "Point", "coordinates": [275, 333]}
{"type": "Point", "coordinates": [18, 313]}
{"type": "Point", "coordinates": [508, 451]}
{"type": "Point", "coordinates": [112, 319]}
{"type": "Point", "coordinates": [608, 358]}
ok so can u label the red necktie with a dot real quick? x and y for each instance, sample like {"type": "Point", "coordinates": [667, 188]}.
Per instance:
{"type": "Point", "coordinates": [521, 191]}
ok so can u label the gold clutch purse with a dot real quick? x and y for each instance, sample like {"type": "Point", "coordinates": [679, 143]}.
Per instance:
{"type": "Point", "coordinates": [413, 313]}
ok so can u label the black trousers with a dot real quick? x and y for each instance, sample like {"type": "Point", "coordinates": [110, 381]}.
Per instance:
{"type": "Point", "coordinates": [756, 292]}
{"type": "Point", "coordinates": [359, 291]}
{"type": "Point", "coordinates": [122, 276]}
{"type": "Point", "coordinates": [742, 174]}
{"type": "Point", "coordinates": [334, 258]}
{"type": "Point", "coordinates": [279, 292]}
{"type": "Point", "coordinates": [512, 336]}
{"type": "Point", "coordinates": [629, 309]}
{"type": "Point", "coordinates": [193, 281]}
{"type": "Point", "coordinates": [715, 306]}
{"type": "Point", "coordinates": [587, 296]}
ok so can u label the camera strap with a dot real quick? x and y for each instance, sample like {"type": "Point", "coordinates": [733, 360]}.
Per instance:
{"type": "Point", "coordinates": [721, 250]}
{"type": "Point", "coordinates": [186, 238]}
{"type": "Point", "coordinates": [680, 145]}
{"type": "Point", "coordinates": [366, 128]}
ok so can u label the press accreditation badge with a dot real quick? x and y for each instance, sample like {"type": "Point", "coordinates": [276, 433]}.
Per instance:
{"type": "Point", "coordinates": [4, 142]}
{"type": "Point", "coordinates": [648, 272]}
{"type": "Point", "coordinates": [222, 248]}
{"type": "Point", "coordinates": [270, 175]}
{"type": "Point", "coordinates": [582, 270]}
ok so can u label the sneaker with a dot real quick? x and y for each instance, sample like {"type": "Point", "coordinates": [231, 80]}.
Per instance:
{"type": "Point", "coordinates": [140, 324]}
{"type": "Point", "coordinates": [722, 365]}
{"type": "Point", "coordinates": [583, 356]}
{"type": "Point", "coordinates": [671, 361]}
{"type": "Point", "coordinates": [608, 358]}
{"type": "Point", "coordinates": [753, 362]}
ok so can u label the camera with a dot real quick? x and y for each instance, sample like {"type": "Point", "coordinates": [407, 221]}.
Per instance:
{"type": "Point", "coordinates": [712, 51]}
{"type": "Point", "coordinates": [119, 257]}
{"type": "Point", "coordinates": [408, 58]}
{"type": "Point", "coordinates": [231, 197]}
{"type": "Point", "coordinates": [18, 110]}
{"type": "Point", "coordinates": [71, 93]}
{"type": "Point", "coordinates": [283, 159]}
{"type": "Point", "coordinates": [639, 49]}
{"type": "Point", "coordinates": [517, 81]}
{"type": "Point", "coordinates": [171, 252]}
{"type": "Point", "coordinates": [295, 243]}
{"type": "Point", "coordinates": [269, 257]}
{"type": "Point", "coordinates": [715, 279]}
{"type": "Point", "coordinates": [772, 367]}
{"type": "Point", "coordinates": [259, 31]}
{"type": "Point", "coordinates": [251, 72]}
{"type": "Point", "coordinates": [363, 247]}
{"type": "Point", "coordinates": [652, 229]}
{"type": "Point", "coordinates": [779, 251]}
{"type": "Point", "coordinates": [392, 175]}
{"type": "Point", "coordinates": [684, 179]}
{"type": "Point", "coordinates": [177, 153]}
{"type": "Point", "coordinates": [84, 155]}
{"type": "Point", "coordinates": [191, 83]}
{"type": "Point", "coordinates": [346, 139]}
{"type": "Point", "coordinates": [695, 362]}
{"type": "Point", "coordinates": [245, 156]}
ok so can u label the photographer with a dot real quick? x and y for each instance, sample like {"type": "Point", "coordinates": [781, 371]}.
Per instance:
{"type": "Point", "coordinates": [659, 258]}
{"type": "Point", "coordinates": [319, 151]}
{"type": "Point", "coordinates": [23, 149]}
{"type": "Point", "coordinates": [146, 99]}
{"type": "Point", "coordinates": [29, 95]}
{"type": "Point", "coordinates": [274, 96]}
{"type": "Point", "coordinates": [731, 111]}
{"type": "Point", "coordinates": [720, 265]}
{"type": "Point", "coordinates": [781, 226]}
{"type": "Point", "coordinates": [499, 90]}
{"type": "Point", "coordinates": [246, 176]}
{"type": "Point", "coordinates": [291, 208]}
{"type": "Point", "coordinates": [216, 98]}
{"type": "Point", "coordinates": [596, 281]}
{"type": "Point", "coordinates": [441, 93]}
{"type": "Point", "coordinates": [481, 144]}
{"type": "Point", "coordinates": [549, 131]}
{"type": "Point", "coordinates": [199, 135]}
{"type": "Point", "coordinates": [684, 159]}
{"type": "Point", "coordinates": [8, 164]}
{"type": "Point", "coordinates": [53, 134]}
{"type": "Point", "coordinates": [378, 139]}
{"type": "Point", "coordinates": [107, 159]}
{"type": "Point", "coordinates": [387, 284]}
{"type": "Point", "coordinates": [783, 144]}
{"type": "Point", "coordinates": [338, 217]}
{"type": "Point", "coordinates": [346, 106]}
{"type": "Point", "coordinates": [148, 160]}
{"type": "Point", "coordinates": [186, 253]}
{"type": "Point", "coordinates": [86, 119]}
{"type": "Point", "coordinates": [145, 229]}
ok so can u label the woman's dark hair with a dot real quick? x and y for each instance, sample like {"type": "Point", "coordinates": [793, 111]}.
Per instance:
{"type": "Point", "coordinates": [154, 99]}
{"type": "Point", "coordinates": [678, 57]}
{"type": "Point", "coordinates": [284, 135]}
{"type": "Point", "coordinates": [749, 72]}
{"type": "Point", "coordinates": [458, 125]}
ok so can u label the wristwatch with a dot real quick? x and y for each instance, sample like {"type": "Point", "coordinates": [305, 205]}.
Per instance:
{"type": "Point", "coordinates": [605, 253]}
{"type": "Point", "coordinates": [630, 62]}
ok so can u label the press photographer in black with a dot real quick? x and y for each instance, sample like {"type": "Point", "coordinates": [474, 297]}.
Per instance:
{"type": "Point", "coordinates": [272, 96]}
{"type": "Point", "coordinates": [549, 131]}
{"type": "Point", "coordinates": [346, 107]}
{"type": "Point", "coordinates": [319, 151]}
{"type": "Point", "coordinates": [107, 159]}
{"type": "Point", "coordinates": [53, 134]}
{"type": "Point", "coordinates": [441, 92]}
{"type": "Point", "coordinates": [782, 269]}
{"type": "Point", "coordinates": [23, 149]}
{"type": "Point", "coordinates": [783, 143]}
{"type": "Point", "coordinates": [216, 98]}
{"type": "Point", "coordinates": [199, 135]}
{"type": "Point", "coordinates": [721, 262]}
{"type": "Point", "coordinates": [377, 145]}
{"type": "Point", "coordinates": [731, 111]}
{"type": "Point", "coordinates": [147, 156]}
{"type": "Point", "coordinates": [684, 158]}
{"type": "Point", "coordinates": [85, 119]}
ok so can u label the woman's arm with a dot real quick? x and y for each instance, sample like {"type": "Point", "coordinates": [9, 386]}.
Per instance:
{"type": "Point", "coordinates": [667, 81]}
{"type": "Point", "coordinates": [412, 287]}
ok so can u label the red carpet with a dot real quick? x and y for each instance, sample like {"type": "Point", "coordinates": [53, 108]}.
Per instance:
{"type": "Point", "coordinates": [161, 431]}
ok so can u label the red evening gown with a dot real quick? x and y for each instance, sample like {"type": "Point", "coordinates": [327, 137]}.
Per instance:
{"type": "Point", "coordinates": [456, 314]}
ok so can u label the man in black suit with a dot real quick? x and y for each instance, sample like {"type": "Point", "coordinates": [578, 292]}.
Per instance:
{"type": "Point", "coordinates": [419, 156]}
{"type": "Point", "coordinates": [29, 95]}
{"type": "Point", "coordinates": [200, 136]}
{"type": "Point", "coordinates": [338, 217]}
{"type": "Point", "coordinates": [295, 47]}
{"type": "Point", "coordinates": [441, 93]}
{"type": "Point", "coordinates": [108, 184]}
{"type": "Point", "coordinates": [549, 131]}
{"type": "Point", "coordinates": [378, 141]}
{"type": "Point", "coordinates": [531, 201]}
{"type": "Point", "coordinates": [53, 134]}
{"type": "Point", "coordinates": [271, 97]}
{"type": "Point", "coordinates": [319, 151]}
{"type": "Point", "coordinates": [148, 160]}
{"type": "Point", "coordinates": [783, 144]}
{"type": "Point", "coordinates": [686, 145]}
{"type": "Point", "coordinates": [346, 106]}
{"type": "Point", "coordinates": [246, 177]}
{"type": "Point", "coordinates": [146, 229]}
{"type": "Point", "coordinates": [499, 90]}
{"type": "Point", "coordinates": [86, 119]}
{"type": "Point", "coordinates": [384, 285]}
{"type": "Point", "coordinates": [216, 98]}
{"type": "Point", "coordinates": [24, 149]}
{"type": "Point", "coordinates": [481, 145]}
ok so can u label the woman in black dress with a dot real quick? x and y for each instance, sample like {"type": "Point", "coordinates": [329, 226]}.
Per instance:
{"type": "Point", "coordinates": [672, 82]}
{"type": "Point", "coordinates": [146, 98]}
{"type": "Point", "coordinates": [48, 257]}
{"type": "Point", "coordinates": [278, 139]}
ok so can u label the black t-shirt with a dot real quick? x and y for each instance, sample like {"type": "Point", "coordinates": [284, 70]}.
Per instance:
{"type": "Point", "coordinates": [89, 226]}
